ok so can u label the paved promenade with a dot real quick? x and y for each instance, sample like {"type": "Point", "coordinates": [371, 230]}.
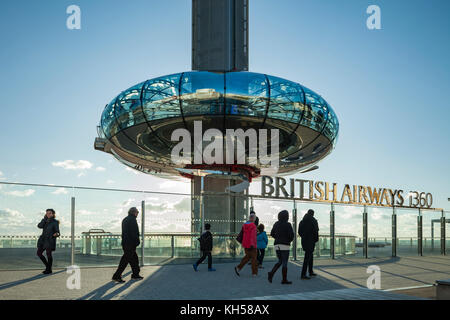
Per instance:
{"type": "Point", "coordinates": [181, 282]}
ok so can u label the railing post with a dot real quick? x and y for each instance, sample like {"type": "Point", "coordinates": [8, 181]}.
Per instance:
{"type": "Point", "coordinates": [332, 234]}
{"type": "Point", "coordinates": [419, 234]}
{"type": "Point", "coordinates": [172, 243]}
{"type": "Point", "coordinates": [294, 218]}
{"type": "Point", "coordinates": [142, 233]}
{"type": "Point", "coordinates": [394, 233]}
{"type": "Point", "coordinates": [443, 233]}
{"type": "Point", "coordinates": [72, 231]}
{"type": "Point", "coordinates": [202, 208]}
{"type": "Point", "coordinates": [365, 239]}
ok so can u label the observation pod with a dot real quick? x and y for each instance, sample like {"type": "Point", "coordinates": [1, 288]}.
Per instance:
{"type": "Point", "coordinates": [137, 125]}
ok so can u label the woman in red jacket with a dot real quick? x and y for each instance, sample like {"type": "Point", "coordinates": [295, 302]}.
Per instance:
{"type": "Point", "coordinates": [249, 245]}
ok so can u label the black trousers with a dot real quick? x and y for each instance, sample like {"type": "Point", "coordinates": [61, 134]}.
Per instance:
{"type": "Point", "coordinates": [129, 257]}
{"type": "Point", "coordinates": [203, 257]}
{"type": "Point", "coordinates": [308, 262]}
{"type": "Point", "coordinates": [260, 256]}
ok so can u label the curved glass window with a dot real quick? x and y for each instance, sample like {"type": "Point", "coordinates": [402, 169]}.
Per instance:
{"type": "Point", "coordinates": [108, 119]}
{"type": "Point", "coordinates": [286, 100]}
{"type": "Point", "coordinates": [128, 107]}
{"type": "Point", "coordinates": [331, 128]}
{"type": "Point", "coordinates": [246, 94]}
{"type": "Point", "coordinates": [316, 111]}
{"type": "Point", "coordinates": [202, 93]}
{"type": "Point", "coordinates": [160, 97]}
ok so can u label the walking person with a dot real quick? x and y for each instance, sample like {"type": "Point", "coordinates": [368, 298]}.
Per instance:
{"type": "Point", "coordinates": [206, 245]}
{"type": "Point", "coordinates": [47, 240]}
{"type": "Point", "coordinates": [283, 234]}
{"type": "Point", "coordinates": [261, 244]}
{"type": "Point", "coordinates": [249, 244]}
{"type": "Point", "coordinates": [308, 229]}
{"type": "Point", "coordinates": [130, 240]}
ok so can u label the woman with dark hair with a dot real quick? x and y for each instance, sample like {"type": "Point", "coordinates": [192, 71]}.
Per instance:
{"type": "Point", "coordinates": [47, 240]}
{"type": "Point", "coordinates": [283, 234]}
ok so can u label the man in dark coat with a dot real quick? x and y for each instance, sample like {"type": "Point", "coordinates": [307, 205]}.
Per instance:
{"type": "Point", "coordinates": [130, 240]}
{"type": "Point", "coordinates": [206, 245]}
{"type": "Point", "coordinates": [308, 229]}
{"type": "Point", "coordinates": [47, 240]}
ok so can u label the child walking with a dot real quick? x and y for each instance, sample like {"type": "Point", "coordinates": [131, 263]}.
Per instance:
{"type": "Point", "coordinates": [261, 244]}
{"type": "Point", "coordinates": [206, 245]}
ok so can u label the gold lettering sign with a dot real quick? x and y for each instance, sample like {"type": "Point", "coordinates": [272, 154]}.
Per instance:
{"type": "Point", "coordinates": [322, 191]}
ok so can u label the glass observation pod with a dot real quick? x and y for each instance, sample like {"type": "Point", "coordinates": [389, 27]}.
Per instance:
{"type": "Point", "coordinates": [137, 125]}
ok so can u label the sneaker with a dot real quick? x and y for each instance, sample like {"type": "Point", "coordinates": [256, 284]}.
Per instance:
{"type": "Point", "coordinates": [195, 267]}
{"type": "Point", "coordinates": [47, 271]}
{"type": "Point", "coordinates": [260, 267]}
{"type": "Point", "coordinates": [138, 277]}
{"type": "Point", "coordinates": [305, 278]}
{"type": "Point", "coordinates": [286, 282]}
{"type": "Point", "coordinates": [237, 272]}
{"type": "Point", "coordinates": [312, 274]}
{"type": "Point", "coordinates": [211, 269]}
{"type": "Point", "coordinates": [119, 280]}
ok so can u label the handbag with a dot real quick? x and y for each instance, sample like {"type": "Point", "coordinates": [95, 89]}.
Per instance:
{"type": "Point", "coordinates": [240, 236]}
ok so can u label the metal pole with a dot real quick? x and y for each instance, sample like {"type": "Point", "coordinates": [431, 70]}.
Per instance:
{"type": "Point", "coordinates": [142, 232]}
{"type": "Point", "coordinates": [365, 239]}
{"type": "Point", "coordinates": [202, 207]}
{"type": "Point", "coordinates": [294, 218]}
{"type": "Point", "coordinates": [394, 233]}
{"type": "Point", "coordinates": [332, 233]}
{"type": "Point", "coordinates": [172, 243]}
{"type": "Point", "coordinates": [419, 234]}
{"type": "Point", "coordinates": [443, 233]}
{"type": "Point", "coordinates": [72, 232]}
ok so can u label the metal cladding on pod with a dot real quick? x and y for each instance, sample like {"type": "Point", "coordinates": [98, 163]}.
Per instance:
{"type": "Point", "coordinates": [137, 125]}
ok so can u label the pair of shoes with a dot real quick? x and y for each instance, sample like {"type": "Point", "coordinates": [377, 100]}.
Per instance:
{"type": "Point", "coordinates": [286, 282]}
{"type": "Point", "coordinates": [305, 278]}
{"type": "Point", "coordinates": [237, 272]}
{"type": "Point", "coordinates": [312, 274]}
{"type": "Point", "coordinates": [47, 271]}
{"type": "Point", "coordinates": [195, 267]}
{"type": "Point", "coordinates": [137, 277]}
{"type": "Point", "coordinates": [211, 269]}
{"type": "Point", "coordinates": [119, 280]}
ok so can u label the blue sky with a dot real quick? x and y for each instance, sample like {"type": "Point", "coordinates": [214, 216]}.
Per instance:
{"type": "Point", "coordinates": [388, 87]}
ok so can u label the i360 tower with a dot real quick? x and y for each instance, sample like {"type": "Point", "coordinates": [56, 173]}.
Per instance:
{"type": "Point", "coordinates": [136, 126]}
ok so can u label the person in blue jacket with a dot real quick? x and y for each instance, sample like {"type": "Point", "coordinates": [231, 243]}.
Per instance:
{"type": "Point", "coordinates": [261, 244]}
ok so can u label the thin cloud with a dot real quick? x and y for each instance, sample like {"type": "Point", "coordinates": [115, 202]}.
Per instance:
{"type": "Point", "coordinates": [60, 191]}
{"type": "Point", "coordinates": [24, 193]}
{"type": "Point", "coordinates": [100, 169]}
{"type": "Point", "coordinates": [73, 165]}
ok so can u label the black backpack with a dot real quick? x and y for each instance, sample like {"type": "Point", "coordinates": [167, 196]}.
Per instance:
{"type": "Point", "coordinates": [301, 228]}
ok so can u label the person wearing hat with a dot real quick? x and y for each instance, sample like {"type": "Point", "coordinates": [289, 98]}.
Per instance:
{"type": "Point", "coordinates": [283, 233]}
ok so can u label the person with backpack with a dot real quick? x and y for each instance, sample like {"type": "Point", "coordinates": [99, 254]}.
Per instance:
{"type": "Point", "coordinates": [206, 245]}
{"type": "Point", "coordinates": [248, 239]}
{"type": "Point", "coordinates": [261, 244]}
{"type": "Point", "coordinates": [308, 229]}
{"type": "Point", "coordinates": [283, 233]}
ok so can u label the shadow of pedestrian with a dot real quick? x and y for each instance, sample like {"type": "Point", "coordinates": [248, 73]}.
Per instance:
{"type": "Point", "coordinates": [22, 281]}
{"type": "Point", "coordinates": [100, 293]}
